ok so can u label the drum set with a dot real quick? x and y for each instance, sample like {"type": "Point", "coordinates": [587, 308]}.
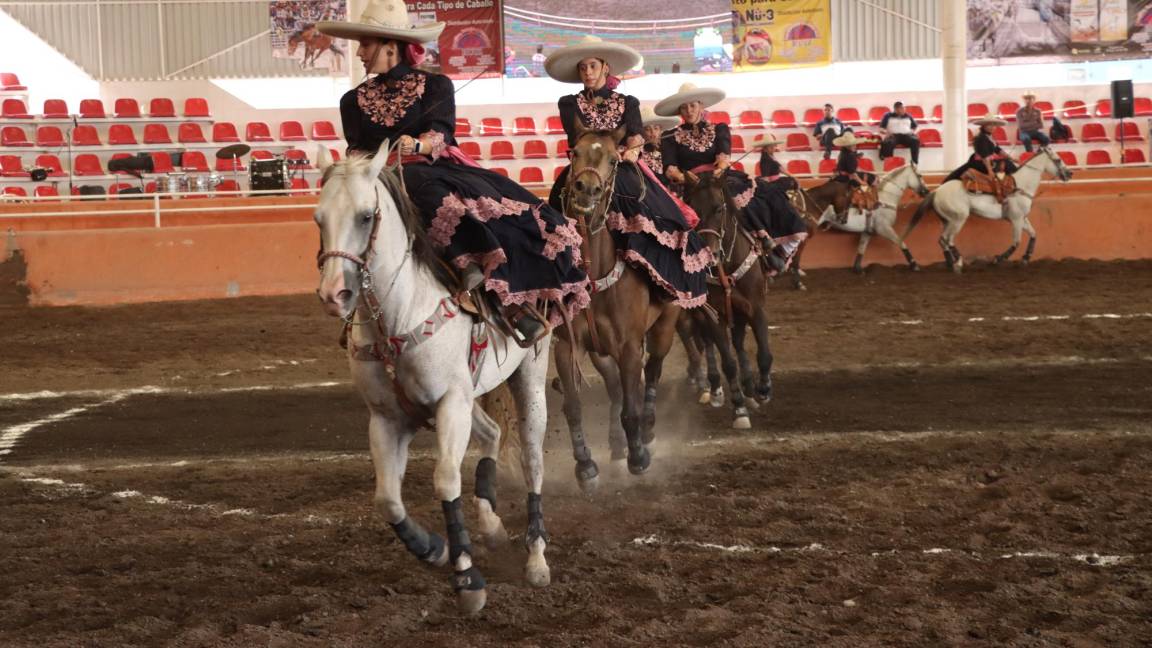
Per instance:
{"type": "Point", "coordinates": [269, 177]}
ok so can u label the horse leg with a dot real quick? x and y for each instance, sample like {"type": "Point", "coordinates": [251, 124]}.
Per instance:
{"type": "Point", "coordinates": [884, 228]}
{"type": "Point", "coordinates": [763, 354]}
{"type": "Point", "coordinates": [586, 469]}
{"type": "Point", "coordinates": [388, 442]}
{"type": "Point", "coordinates": [491, 527]}
{"type": "Point", "coordinates": [631, 367]}
{"type": "Point", "coordinates": [608, 370]}
{"type": "Point", "coordinates": [861, 247]}
{"type": "Point", "coordinates": [722, 340]}
{"type": "Point", "coordinates": [797, 273]}
{"type": "Point", "coordinates": [528, 389]}
{"type": "Point", "coordinates": [715, 386]}
{"type": "Point", "coordinates": [739, 330]}
{"type": "Point", "coordinates": [660, 338]}
{"type": "Point", "coordinates": [453, 427]}
{"type": "Point", "coordinates": [1017, 227]}
{"type": "Point", "coordinates": [1031, 240]}
{"type": "Point", "coordinates": [697, 377]}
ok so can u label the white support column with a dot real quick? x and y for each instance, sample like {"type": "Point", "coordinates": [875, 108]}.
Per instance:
{"type": "Point", "coordinates": [355, 67]}
{"type": "Point", "coordinates": [953, 56]}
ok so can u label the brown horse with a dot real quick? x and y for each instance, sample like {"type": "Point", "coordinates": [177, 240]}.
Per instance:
{"type": "Point", "coordinates": [627, 314]}
{"type": "Point", "coordinates": [737, 291]}
{"type": "Point", "coordinates": [315, 44]}
{"type": "Point", "coordinates": [811, 203]}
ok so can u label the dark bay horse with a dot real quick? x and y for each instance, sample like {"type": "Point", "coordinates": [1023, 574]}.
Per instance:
{"type": "Point", "coordinates": [628, 314]}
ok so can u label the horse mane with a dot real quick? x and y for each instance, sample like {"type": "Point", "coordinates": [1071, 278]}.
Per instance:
{"type": "Point", "coordinates": [422, 250]}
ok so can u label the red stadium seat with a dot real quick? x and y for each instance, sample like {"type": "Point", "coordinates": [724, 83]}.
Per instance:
{"type": "Point", "coordinates": [930, 138]}
{"type": "Point", "coordinates": [556, 172]}
{"type": "Point", "coordinates": [917, 113]}
{"type": "Point", "coordinates": [126, 108]}
{"type": "Point", "coordinates": [1000, 136]}
{"type": "Point", "coordinates": [9, 82]}
{"type": "Point", "coordinates": [850, 116]}
{"type": "Point", "coordinates": [1130, 130]}
{"type": "Point", "coordinates": [335, 154]}
{"type": "Point", "coordinates": [257, 132]}
{"type": "Point", "coordinates": [49, 137]}
{"type": "Point", "coordinates": [1133, 156]}
{"type": "Point", "coordinates": [553, 126]}
{"type": "Point", "coordinates": [562, 148]}
{"type": "Point", "coordinates": [870, 141]}
{"type": "Point", "coordinates": [739, 166]}
{"type": "Point", "coordinates": [535, 150]}
{"type": "Point", "coordinates": [866, 165]}
{"type": "Point", "coordinates": [499, 171]}
{"type": "Point", "coordinates": [491, 127]}
{"type": "Point", "coordinates": [531, 175]}
{"type": "Point", "coordinates": [1069, 158]}
{"type": "Point", "coordinates": [156, 134]}
{"type": "Point", "coordinates": [463, 127]}
{"type": "Point", "coordinates": [230, 165]}
{"type": "Point", "coordinates": [783, 119]}
{"type": "Point", "coordinates": [300, 158]}
{"type": "Point", "coordinates": [471, 149]}
{"type": "Point", "coordinates": [92, 109]}
{"type": "Point", "coordinates": [812, 116]}
{"type": "Point", "coordinates": [324, 131]}
{"type": "Point", "coordinates": [501, 150]}
{"type": "Point", "coordinates": [937, 114]}
{"type": "Point", "coordinates": [827, 167]}
{"type": "Point", "coordinates": [1098, 157]}
{"type": "Point", "coordinates": [13, 136]}
{"type": "Point", "coordinates": [292, 131]}
{"type": "Point", "coordinates": [892, 163]}
{"type": "Point", "coordinates": [876, 114]}
{"type": "Point", "coordinates": [977, 110]}
{"type": "Point", "coordinates": [14, 109]}
{"type": "Point", "coordinates": [228, 185]}
{"type": "Point", "coordinates": [1142, 107]}
{"type": "Point", "coordinates": [50, 162]}
{"type": "Point", "coordinates": [87, 164]}
{"type": "Point", "coordinates": [161, 162]}
{"type": "Point", "coordinates": [196, 107]}
{"type": "Point", "coordinates": [1007, 110]}
{"type": "Point", "coordinates": [55, 109]}
{"type": "Point", "coordinates": [1047, 110]}
{"type": "Point", "coordinates": [11, 166]}
{"type": "Point", "coordinates": [121, 135]}
{"type": "Point", "coordinates": [719, 117]}
{"type": "Point", "coordinates": [194, 161]}
{"type": "Point", "coordinates": [1075, 109]}
{"type": "Point", "coordinates": [190, 133]}
{"type": "Point", "coordinates": [85, 135]}
{"type": "Point", "coordinates": [1093, 132]}
{"type": "Point", "coordinates": [524, 126]}
{"type": "Point", "coordinates": [120, 156]}
{"type": "Point", "coordinates": [1103, 109]}
{"type": "Point", "coordinates": [117, 187]}
{"type": "Point", "coordinates": [16, 191]}
{"type": "Point", "coordinates": [298, 183]}
{"type": "Point", "coordinates": [738, 144]}
{"type": "Point", "coordinates": [261, 154]}
{"type": "Point", "coordinates": [799, 167]}
{"type": "Point", "coordinates": [47, 191]}
{"type": "Point", "coordinates": [798, 142]}
{"type": "Point", "coordinates": [224, 132]}
{"type": "Point", "coordinates": [161, 108]}
{"type": "Point", "coordinates": [752, 119]}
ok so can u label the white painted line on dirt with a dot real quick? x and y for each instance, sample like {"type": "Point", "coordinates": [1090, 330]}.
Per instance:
{"type": "Point", "coordinates": [10, 437]}
{"type": "Point", "coordinates": [152, 389]}
{"type": "Point", "coordinates": [1094, 559]}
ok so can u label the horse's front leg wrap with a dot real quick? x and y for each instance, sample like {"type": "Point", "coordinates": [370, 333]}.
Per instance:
{"type": "Point", "coordinates": [426, 546]}
{"type": "Point", "coordinates": [535, 521]}
{"type": "Point", "coordinates": [486, 480]}
{"type": "Point", "coordinates": [459, 544]}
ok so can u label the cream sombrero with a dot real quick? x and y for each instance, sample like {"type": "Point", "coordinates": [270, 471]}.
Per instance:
{"type": "Point", "coordinates": [1028, 94]}
{"type": "Point", "coordinates": [688, 93]}
{"type": "Point", "coordinates": [990, 120]}
{"type": "Point", "coordinates": [387, 19]}
{"type": "Point", "coordinates": [847, 139]}
{"type": "Point", "coordinates": [650, 118]}
{"type": "Point", "coordinates": [561, 64]}
{"type": "Point", "coordinates": [766, 139]}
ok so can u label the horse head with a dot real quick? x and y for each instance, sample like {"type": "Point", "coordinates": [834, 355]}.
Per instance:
{"type": "Point", "coordinates": [917, 184]}
{"type": "Point", "coordinates": [707, 194]}
{"type": "Point", "coordinates": [1053, 164]}
{"type": "Point", "coordinates": [593, 171]}
{"type": "Point", "coordinates": [294, 41]}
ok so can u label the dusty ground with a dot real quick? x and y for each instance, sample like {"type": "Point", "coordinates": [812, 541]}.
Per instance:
{"type": "Point", "coordinates": [921, 479]}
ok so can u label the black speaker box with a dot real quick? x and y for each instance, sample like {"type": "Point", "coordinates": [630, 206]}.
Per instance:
{"type": "Point", "coordinates": [1122, 99]}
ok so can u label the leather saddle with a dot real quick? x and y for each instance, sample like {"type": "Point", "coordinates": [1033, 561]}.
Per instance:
{"type": "Point", "coordinates": [979, 182]}
{"type": "Point", "coordinates": [864, 198]}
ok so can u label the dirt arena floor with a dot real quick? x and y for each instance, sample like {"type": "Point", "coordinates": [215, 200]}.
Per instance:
{"type": "Point", "coordinates": [949, 461]}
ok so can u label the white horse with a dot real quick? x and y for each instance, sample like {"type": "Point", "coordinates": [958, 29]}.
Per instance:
{"type": "Point", "coordinates": [410, 349]}
{"type": "Point", "coordinates": [881, 220]}
{"type": "Point", "coordinates": [953, 203]}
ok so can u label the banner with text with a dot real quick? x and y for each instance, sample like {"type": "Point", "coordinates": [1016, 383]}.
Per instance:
{"type": "Point", "coordinates": [769, 34]}
{"type": "Point", "coordinates": [470, 45]}
{"type": "Point", "coordinates": [1071, 30]}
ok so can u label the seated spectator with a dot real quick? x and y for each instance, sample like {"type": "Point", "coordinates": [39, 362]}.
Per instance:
{"type": "Point", "coordinates": [1030, 121]}
{"type": "Point", "coordinates": [828, 129]}
{"type": "Point", "coordinates": [899, 129]}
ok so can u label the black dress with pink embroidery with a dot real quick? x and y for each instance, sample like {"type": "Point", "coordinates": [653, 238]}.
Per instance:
{"type": "Point", "coordinates": [528, 251]}
{"type": "Point", "coordinates": [652, 234]}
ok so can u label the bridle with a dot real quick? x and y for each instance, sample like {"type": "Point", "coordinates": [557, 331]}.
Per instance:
{"type": "Point", "coordinates": [723, 278]}
{"type": "Point", "coordinates": [591, 220]}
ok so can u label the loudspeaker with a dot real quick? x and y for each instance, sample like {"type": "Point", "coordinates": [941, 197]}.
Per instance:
{"type": "Point", "coordinates": [1122, 99]}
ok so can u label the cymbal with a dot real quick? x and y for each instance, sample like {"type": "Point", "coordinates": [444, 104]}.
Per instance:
{"type": "Point", "coordinates": [233, 151]}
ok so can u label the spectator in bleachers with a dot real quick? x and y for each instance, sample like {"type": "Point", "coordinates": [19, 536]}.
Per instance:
{"type": "Point", "coordinates": [538, 61]}
{"type": "Point", "coordinates": [828, 129]}
{"type": "Point", "coordinates": [1030, 122]}
{"type": "Point", "coordinates": [899, 129]}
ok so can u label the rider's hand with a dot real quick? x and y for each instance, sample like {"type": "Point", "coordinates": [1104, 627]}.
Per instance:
{"type": "Point", "coordinates": [631, 154]}
{"type": "Point", "coordinates": [722, 165]}
{"type": "Point", "coordinates": [407, 145]}
{"type": "Point", "coordinates": [674, 175]}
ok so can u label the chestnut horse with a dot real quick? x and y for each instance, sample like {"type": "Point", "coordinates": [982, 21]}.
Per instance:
{"type": "Point", "coordinates": [315, 44]}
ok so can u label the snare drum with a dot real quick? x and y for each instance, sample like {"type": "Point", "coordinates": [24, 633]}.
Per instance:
{"type": "Point", "coordinates": [205, 183]}
{"type": "Point", "coordinates": [172, 183]}
{"type": "Point", "coordinates": [265, 175]}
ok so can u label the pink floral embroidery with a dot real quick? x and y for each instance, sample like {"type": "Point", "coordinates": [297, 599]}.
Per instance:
{"type": "Point", "coordinates": [600, 113]}
{"type": "Point", "coordinates": [387, 103]}
{"type": "Point", "coordinates": [698, 138]}
{"type": "Point", "coordinates": [684, 299]}
{"type": "Point", "coordinates": [654, 159]}
{"type": "Point", "coordinates": [672, 240]}
{"type": "Point", "coordinates": [436, 140]}
{"type": "Point", "coordinates": [573, 297]}
{"type": "Point", "coordinates": [452, 210]}
{"type": "Point", "coordinates": [742, 199]}
{"type": "Point", "coordinates": [562, 238]}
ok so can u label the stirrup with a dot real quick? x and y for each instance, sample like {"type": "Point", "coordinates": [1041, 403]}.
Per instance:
{"type": "Point", "coordinates": [527, 325]}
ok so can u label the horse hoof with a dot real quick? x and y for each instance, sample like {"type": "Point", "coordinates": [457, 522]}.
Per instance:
{"type": "Point", "coordinates": [914, 267]}
{"type": "Point", "coordinates": [717, 399]}
{"type": "Point", "coordinates": [752, 404]}
{"type": "Point", "coordinates": [438, 554]}
{"type": "Point", "coordinates": [491, 528]}
{"type": "Point", "coordinates": [857, 270]}
{"type": "Point", "coordinates": [801, 287]}
{"type": "Point", "coordinates": [742, 423]}
{"type": "Point", "coordinates": [536, 572]}
{"type": "Point", "coordinates": [705, 397]}
{"type": "Point", "coordinates": [801, 273]}
{"type": "Point", "coordinates": [470, 602]}
{"type": "Point", "coordinates": [1025, 261]}
{"type": "Point", "coordinates": [586, 471]}
{"type": "Point", "coordinates": [638, 462]}
{"type": "Point", "coordinates": [763, 397]}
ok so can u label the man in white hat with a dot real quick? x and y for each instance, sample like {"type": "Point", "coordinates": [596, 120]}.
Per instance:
{"type": "Point", "coordinates": [1030, 122]}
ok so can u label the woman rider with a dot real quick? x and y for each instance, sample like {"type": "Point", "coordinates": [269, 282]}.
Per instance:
{"type": "Point", "coordinates": [698, 146]}
{"type": "Point", "coordinates": [848, 164]}
{"type": "Point", "coordinates": [654, 233]}
{"type": "Point", "coordinates": [654, 128]}
{"type": "Point", "coordinates": [987, 156]}
{"type": "Point", "coordinates": [773, 186]}
{"type": "Point", "coordinates": [498, 233]}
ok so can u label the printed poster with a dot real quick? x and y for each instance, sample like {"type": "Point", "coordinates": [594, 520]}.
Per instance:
{"type": "Point", "coordinates": [769, 34]}
{"type": "Point", "coordinates": [470, 46]}
{"type": "Point", "coordinates": [1059, 30]}
{"type": "Point", "coordinates": [294, 34]}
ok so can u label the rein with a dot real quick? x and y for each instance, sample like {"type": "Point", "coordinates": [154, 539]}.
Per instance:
{"type": "Point", "coordinates": [724, 279]}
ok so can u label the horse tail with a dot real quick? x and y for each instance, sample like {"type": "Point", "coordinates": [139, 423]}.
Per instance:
{"type": "Point", "coordinates": [925, 205]}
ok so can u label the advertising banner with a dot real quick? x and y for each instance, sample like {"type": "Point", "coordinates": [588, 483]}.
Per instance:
{"type": "Point", "coordinates": [1059, 30]}
{"type": "Point", "coordinates": [470, 45]}
{"type": "Point", "coordinates": [769, 34]}
{"type": "Point", "coordinates": [294, 34]}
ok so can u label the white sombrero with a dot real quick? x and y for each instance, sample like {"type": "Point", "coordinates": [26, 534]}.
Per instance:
{"type": "Point", "coordinates": [688, 93]}
{"type": "Point", "coordinates": [766, 139]}
{"type": "Point", "coordinates": [990, 120]}
{"type": "Point", "coordinates": [650, 118]}
{"type": "Point", "coordinates": [1028, 94]}
{"type": "Point", "coordinates": [847, 139]}
{"type": "Point", "coordinates": [387, 19]}
{"type": "Point", "coordinates": [561, 64]}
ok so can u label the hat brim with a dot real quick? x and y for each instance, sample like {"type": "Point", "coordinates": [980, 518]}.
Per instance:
{"type": "Point", "coordinates": [990, 122]}
{"type": "Point", "coordinates": [663, 122]}
{"type": "Point", "coordinates": [562, 64]}
{"type": "Point", "coordinates": [846, 141]}
{"type": "Point", "coordinates": [706, 96]}
{"type": "Point", "coordinates": [767, 142]}
{"type": "Point", "coordinates": [419, 34]}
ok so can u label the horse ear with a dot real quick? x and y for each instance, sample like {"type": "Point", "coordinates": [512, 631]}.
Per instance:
{"type": "Point", "coordinates": [380, 159]}
{"type": "Point", "coordinates": [323, 158]}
